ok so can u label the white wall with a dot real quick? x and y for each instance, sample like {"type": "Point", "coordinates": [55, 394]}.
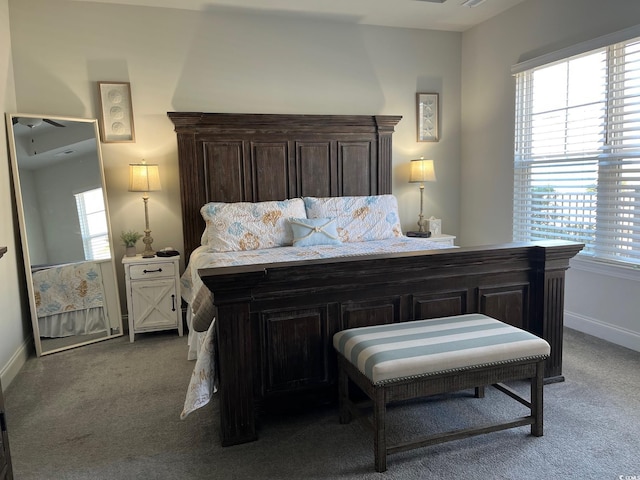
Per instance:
{"type": "Point", "coordinates": [599, 301]}
{"type": "Point", "coordinates": [233, 61]}
{"type": "Point", "coordinates": [14, 316]}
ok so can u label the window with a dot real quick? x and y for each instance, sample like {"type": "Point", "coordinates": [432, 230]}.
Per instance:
{"type": "Point", "coordinates": [93, 224]}
{"type": "Point", "coordinates": [577, 152]}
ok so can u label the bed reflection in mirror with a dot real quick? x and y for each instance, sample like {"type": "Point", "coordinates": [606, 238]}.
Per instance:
{"type": "Point", "coordinates": [66, 239]}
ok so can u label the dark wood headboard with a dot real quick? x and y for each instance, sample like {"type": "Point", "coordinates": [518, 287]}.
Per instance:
{"type": "Point", "coordinates": [228, 157]}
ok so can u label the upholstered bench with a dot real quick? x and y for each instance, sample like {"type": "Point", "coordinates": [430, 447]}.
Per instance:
{"type": "Point", "coordinates": [409, 360]}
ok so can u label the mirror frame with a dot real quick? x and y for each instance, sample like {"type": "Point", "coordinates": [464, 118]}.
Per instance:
{"type": "Point", "coordinates": [113, 332]}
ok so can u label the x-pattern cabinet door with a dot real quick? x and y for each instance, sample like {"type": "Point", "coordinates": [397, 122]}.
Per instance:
{"type": "Point", "coordinates": [153, 294]}
{"type": "Point", "coordinates": [154, 304]}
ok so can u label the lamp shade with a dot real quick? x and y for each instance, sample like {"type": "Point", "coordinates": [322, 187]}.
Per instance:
{"type": "Point", "coordinates": [143, 177]}
{"type": "Point", "coordinates": [422, 171]}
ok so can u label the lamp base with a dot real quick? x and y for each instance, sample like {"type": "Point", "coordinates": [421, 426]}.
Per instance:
{"type": "Point", "coordinates": [148, 240]}
{"type": "Point", "coordinates": [422, 223]}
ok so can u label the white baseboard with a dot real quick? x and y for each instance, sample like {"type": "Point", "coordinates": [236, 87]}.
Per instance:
{"type": "Point", "coordinates": [16, 362]}
{"type": "Point", "coordinates": [605, 331]}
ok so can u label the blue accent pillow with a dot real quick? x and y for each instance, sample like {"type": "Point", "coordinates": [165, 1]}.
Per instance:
{"type": "Point", "coordinates": [308, 232]}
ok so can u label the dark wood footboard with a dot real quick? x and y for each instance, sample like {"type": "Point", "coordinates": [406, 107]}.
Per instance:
{"type": "Point", "coordinates": [276, 321]}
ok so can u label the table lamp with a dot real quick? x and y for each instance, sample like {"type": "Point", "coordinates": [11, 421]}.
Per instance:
{"type": "Point", "coordinates": [144, 177]}
{"type": "Point", "coordinates": [422, 171]}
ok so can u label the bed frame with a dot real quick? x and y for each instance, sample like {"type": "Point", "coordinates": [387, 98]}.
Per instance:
{"type": "Point", "coordinates": [275, 322]}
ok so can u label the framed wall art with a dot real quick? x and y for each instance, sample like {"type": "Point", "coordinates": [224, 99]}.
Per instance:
{"type": "Point", "coordinates": [116, 112]}
{"type": "Point", "coordinates": [427, 110]}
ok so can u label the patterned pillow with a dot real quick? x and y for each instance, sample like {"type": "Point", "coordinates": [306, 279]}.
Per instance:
{"type": "Point", "coordinates": [308, 232]}
{"type": "Point", "coordinates": [358, 219]}
{"type": "Point", "coordinates": [239, 226]}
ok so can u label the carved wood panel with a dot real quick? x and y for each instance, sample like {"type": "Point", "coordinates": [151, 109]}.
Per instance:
{"type": "Point", "coordinates": [294, 346]}
{"type": "Point", "coordinates": [372, 312]}
{"type": "Point", "coordinates": [507, 303]}
{"type": "Point", "coordinates": [355, 162]}
{"type": "Point", "coordinates": [258, 171]}
{"type": "Point", "coordinates": [224, 171]}
{"type": "Point", "coordinates": [442, 304]}
{"type": "Point", "coordinates": [315, 168]}
{"type": "Point", "coordinates": [270, 171]}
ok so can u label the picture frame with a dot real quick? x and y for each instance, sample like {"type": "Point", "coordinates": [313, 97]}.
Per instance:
{"type": "Point", "coordinates": [427, 106]}
{"type": "Point", "coordinates": [116, 112]}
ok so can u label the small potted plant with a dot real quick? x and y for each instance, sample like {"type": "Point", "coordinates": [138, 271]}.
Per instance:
{"type": "Point", "coordinates": [130, 238]}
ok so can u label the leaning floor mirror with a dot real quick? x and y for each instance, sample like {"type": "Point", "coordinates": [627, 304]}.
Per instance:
{"type": "Point", "coordinates": [65, 230]}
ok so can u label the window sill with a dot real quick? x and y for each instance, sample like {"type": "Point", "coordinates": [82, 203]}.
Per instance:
{"type": "Point", "coordinates": [610, 269]}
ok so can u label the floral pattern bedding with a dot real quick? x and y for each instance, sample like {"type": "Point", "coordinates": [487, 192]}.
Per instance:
{"type": "Point", "coordinates": [68, 288]}
{"type": "Point", "coordinates": [359, 219]}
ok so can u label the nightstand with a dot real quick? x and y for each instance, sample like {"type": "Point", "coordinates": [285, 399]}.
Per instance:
{"type": "Point", "coordinates": [443, 238]}
{"type": "Point", "coordinates": [153, 294]}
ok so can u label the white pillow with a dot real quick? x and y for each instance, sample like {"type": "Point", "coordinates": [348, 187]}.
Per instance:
{"type": "Point", "coordinates": [358, 219]}
{"type": "Point", "coordinates": [250, 226]}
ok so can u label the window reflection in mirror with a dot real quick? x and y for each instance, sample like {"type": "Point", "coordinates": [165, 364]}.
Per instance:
{"type": "Point", "coordinates": [93, 224]}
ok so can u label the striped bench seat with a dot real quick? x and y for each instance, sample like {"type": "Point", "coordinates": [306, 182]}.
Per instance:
{"type": "Point", "coordinates": [408, 360]}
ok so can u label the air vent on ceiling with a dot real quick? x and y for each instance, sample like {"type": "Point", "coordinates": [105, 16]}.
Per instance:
{"type": "Point", "coordinates": [63, 154]}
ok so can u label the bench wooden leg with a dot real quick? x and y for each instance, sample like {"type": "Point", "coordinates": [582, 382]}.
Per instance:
{"type": "Point", "coordinates": [537, 400]}
{"type": "Point", "coordinates": [379, 430]}
{"type": "Point", "coordinates": [479, 392]}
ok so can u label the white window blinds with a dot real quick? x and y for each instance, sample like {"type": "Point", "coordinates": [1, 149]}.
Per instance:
{"type": "Point", "coordinates": [93, 224]}
{"type": "Point", "coordinates": [577, 152]}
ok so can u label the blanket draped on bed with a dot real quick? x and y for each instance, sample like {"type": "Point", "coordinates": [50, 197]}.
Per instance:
{"type": "Point", "coordinates": [68, 288]}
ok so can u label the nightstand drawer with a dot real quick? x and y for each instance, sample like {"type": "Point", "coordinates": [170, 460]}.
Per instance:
{"type": "Point", "coordinates": [152, 270]}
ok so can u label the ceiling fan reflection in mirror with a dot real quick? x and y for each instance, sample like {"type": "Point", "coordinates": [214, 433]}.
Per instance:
{"type": "Point", "coordinates": [34, 122]}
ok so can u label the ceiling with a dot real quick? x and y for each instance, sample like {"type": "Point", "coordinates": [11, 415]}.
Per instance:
{"type": "Point", "coordinates": [424, 14]}
{"type": "Point", "coordinates": [40, 144]}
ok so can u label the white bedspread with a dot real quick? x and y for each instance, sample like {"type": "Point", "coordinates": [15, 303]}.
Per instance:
{"type": "Point", "coordinates": [202, 384]}
{"type": "Point", "coordinates": [69, 300]}
{"type": "Point", "coordinates": [67, 288]}
{"type": "Point", "coordinates": [200, 300]}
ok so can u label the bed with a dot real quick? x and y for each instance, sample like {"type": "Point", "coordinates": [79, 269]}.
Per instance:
{"type": "Point", "coordinates": [275, 320]}
{"type": "Point", "coordinates": [69, 299]}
